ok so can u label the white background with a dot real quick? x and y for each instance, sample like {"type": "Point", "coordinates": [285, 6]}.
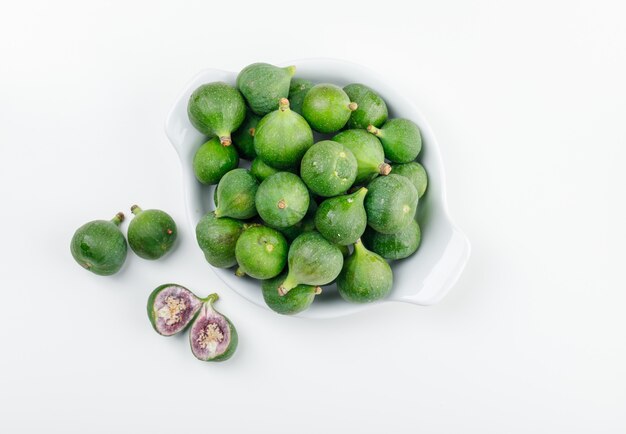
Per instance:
{"type": "Point", "coordinates": [528, 100]}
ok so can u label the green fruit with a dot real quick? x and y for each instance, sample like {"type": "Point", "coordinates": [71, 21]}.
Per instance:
{"type": "Point", "coordinates": [298, 299]}
{"type": "Point", "coordinates": [282, 137]}
{"type": "Point", "coordinates": [263, 85]}
{"type": "Point", "coordinates": [235, 195]}
{"type": "Point", "coordinates": [312, 261]}
{"type": "Point", "coordinates": [212, 160]}
{"type": "Point", "coordinates": [401, 139]}
{"type": "Point", "coordinates": [217, 238]}
{"type": "Point", "coordinates": [297, 91]}
{"type": "Point", "coordinates": [416, 174]}
{"type": "Point", "coordinates": [328, 168]}
{"type": "Point", "coordinates": [327, 108]}
{"type": "Point", "coordinates": [372, 109]}
{"type": "Point", "coordinates": [99, 246]}
{"type": "Point", "coordinates": [261, 252]}
{"type": "Point", "coordinates": [216, 109]}
{"type": "Point", "coordinates": [365, 276]}
{"type": "Point", "coordinates": [151, 233]}
{"type": "Point", "coordinates": [342, 219]}
{"type": "Point", "coordinates": [394, 246]}
{"type": "Point", "coordinates": [213, 338]}
{"type": "Point", "coordinates": [171, 308]}
{"type": "Point", "coordinates": [282, 200]}
{"type": "Point", "coordinates": [390, 203]}
{"type": "Point", "coordinates": [243, 138]}
{"type": "Point", "coordinates": [368, 151]}
{"type": "Point", "coordinates": [261, 170]}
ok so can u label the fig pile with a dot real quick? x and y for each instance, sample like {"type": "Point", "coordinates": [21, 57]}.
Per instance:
{"type": "Point", "coordinates": [331, 176]}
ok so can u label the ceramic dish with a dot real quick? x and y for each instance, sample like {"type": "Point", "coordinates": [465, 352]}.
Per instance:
{"type": "Point", "coordinates": [423, 278]}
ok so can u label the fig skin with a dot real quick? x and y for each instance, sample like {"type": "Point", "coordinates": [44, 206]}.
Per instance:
{"type": "Point", "coordinates": [261, 170]}
{"type": "Point", "coordinates": [327, 108]}
{"type": "Point", "coordinates": [297, 91]}
{"type": "Point", "coordinates": [213, 160]}
{"type": "Point", "coordinates": [365, 276]}
{"type": "Point", "coordinates": [297, 300]}
{"type": "Point", "coordinates": [99, 246]}
{"type": "Point", "coordinates": [371, 110]}
{"type": "Point", "coordinates": [261, 252]}
{"type": "Point", "coordinates": [235, 195]}
{"type": "Point", "coordinates": [282, 137]}
{"type": "Point", "coordinates": [243, 138]}
{"type": "Point", "coordinates": [156, 302]}
{"type": "Point", "coordinates": [151, 233]}
{"type": "Point", "coordinates": [394, 246]}
{"type": "Point", "coordinates": [263, 85]}
{"type": "Point", "coordinates": [216, 109]}
{"type": "Point", "coordinates": [208, 315]}
{"type": "Point", "coordinates": [416, 174]}
{"type": "Point", "coordinates": [282, 200]}
{"type": "Point", "coordinates": [342, 219]}
{"type": "Point", "coordinates": [401, 139]}
{"type": "Point", "coordinates": [390, 203]}
{"type": "Point", "coordinates": [217, 239]}
{"type": "Point", "coordinates": [368, 151]}
{"type": "Point", "coordinates": [312, 260]}
{"type": "Point", "coordinates": [328, 168]}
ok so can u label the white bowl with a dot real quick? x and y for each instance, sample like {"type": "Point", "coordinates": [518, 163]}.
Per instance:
{"type": "Point", "coordinates": [423, 278]}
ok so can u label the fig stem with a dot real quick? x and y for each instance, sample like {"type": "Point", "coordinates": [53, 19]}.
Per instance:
{"type": "Point", "coordinates": [288, 284]}
{"type": "Point", "coordinates": [211, 298]}
{"type": "Point", "coordinates": [318, 290]}
{"type": "Point", "coordinates": [358, 246]}
{"type": "Point", "coordinates": [372, 129]}
{"type": "Point", "coordinates": [283, 104]}
{"type": "Point", "coordinates": [384, 169]}
{"type": "Point", "coordinates": [117, 219]}
{"type": "Point", "coordinates": [361, 192]}
{"type": "Point", "coordinates": [239, 272]}
{"type": "Point", "coordinates": [291, 70]}
{"type": "Point", "coordinates": [252, 131]}
{"type": "Point", "coordinates": [135, 209]}
{"type": "Point", "coordinates": [225, 140]}
{"type": "Point", "coordinates": [353, 106]}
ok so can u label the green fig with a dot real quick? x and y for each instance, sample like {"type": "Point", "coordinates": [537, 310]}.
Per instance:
{"type": "Point", "coordinates": [297, 91]}
{"type": "Point", "coordinates": [99, 246]}
{"type": "Point", "coordinates": [243, 138]}
{"type": "Point", "coordinates": [212, 160]}
{"type": "Point", "coordinates": [171, 308]}
{"type": "Point", "coordinates": [261, 252]}
{"type": "Point", "coordinates": [298, 299]}
{"type": "Point", "coordinates": [282, 200]}
{"type": "Point", "coordinates": [261, 170]}
{"type": "Point", "coordinates": [263, 85]}
{"type": "Point", "coordinates": [235, 195]}
{"type": "Point", "coordinates": [327, 108]}
{"type": "Point", "coordinates": [416, 174]}
{"type": "Point", "coordinates": [368, 151]}
{"type": "Point", "coordinates": [312, 260]}
{"type": "Point", "coordinates": [371, 110]}
{"type": "Point", "coordinates": [394, 246]}
{"type": "Point", "coordinates": [216, 109]}
{"type": "Point", "coordinates": [151, 233]}
{"type": "Point", "coordinates": [365, 276]}
{"type": "Point", "coordinates": [401, 139]}
{"type": "Point", "coordinates": [328, 168]}
{"type": "Point", "coordinates": [217, 239]}
{"type": "Point", "coordinates": [213, 338]}
{"type": "Point", "coordinates": [390, 203]}
{"type": "Point", "coordinates": [342, 219]}
{"type": "Point", "coordinates": [282, 137]}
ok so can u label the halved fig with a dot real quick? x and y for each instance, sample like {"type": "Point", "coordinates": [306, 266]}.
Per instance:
{"type": "Point", "coordinates": [212, 336]}
{"type": "Point", "coordinates": [171, 308]}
